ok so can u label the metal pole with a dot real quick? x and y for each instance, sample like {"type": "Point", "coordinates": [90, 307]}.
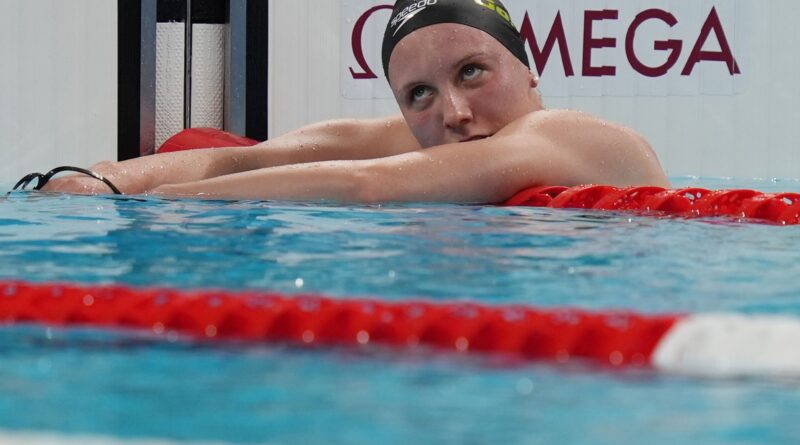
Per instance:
{"type": "Point", "coordinates": [187, 88]}
{"type": "Point", "coordinates": [147, 80]}
{"type": "Point", "coordinates": [236, 68]}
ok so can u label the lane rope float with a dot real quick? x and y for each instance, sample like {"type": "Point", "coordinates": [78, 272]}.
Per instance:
{"type": "Point", "coordinates": [694, 202]}
{"type": "Point", "coordinates": [718, 345]}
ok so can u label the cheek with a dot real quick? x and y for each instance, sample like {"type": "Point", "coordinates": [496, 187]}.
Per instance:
{"type": "Point", "coordinates": [423, 127]}
{"type": "Point", "coordinates": [510, 100]}
{"type": "Point", "coordinates": [497, 110]}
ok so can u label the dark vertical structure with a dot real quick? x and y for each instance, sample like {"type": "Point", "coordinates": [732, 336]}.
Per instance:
{"type": "Point", "coordinates": [171, 11]}
{"type": "Point", "coordinates": [129, 19]}
{"type": "Point", "coordinates": [247, 61]}
{"type": "Point", "coordinates": [257, 69]}
{"type": "Point", "coordinates": [136, 76]}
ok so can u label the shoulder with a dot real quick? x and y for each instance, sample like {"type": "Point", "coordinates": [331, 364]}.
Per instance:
{"type": "Point", "coordinates": [590, 149]}
{"type": "Point", "coordinates": [577, 124]}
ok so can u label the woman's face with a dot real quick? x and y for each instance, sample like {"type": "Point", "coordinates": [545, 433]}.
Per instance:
{"type": "Point", "coordinates": [455, 83]}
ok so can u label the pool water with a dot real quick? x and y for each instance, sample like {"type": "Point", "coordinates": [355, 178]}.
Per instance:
{"type": "Point", "coordinates": [121, 385]}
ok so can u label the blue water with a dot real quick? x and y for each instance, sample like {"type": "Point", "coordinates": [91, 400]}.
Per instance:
{"type": "Point", "coordinates": [131, 386]}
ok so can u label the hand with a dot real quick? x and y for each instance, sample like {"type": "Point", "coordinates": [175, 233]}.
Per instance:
{"type": "Point", "coordinates": [81, 185]}
{"type": "Point", "coordinates": [85, 185]}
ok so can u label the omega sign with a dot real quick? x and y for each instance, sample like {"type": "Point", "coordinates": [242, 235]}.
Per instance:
{"type": "Point", "coordinates": [622, 48]}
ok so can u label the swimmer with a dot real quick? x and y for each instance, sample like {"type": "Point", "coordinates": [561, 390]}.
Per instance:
{"type": "Point", "coordinates": [473, 129]}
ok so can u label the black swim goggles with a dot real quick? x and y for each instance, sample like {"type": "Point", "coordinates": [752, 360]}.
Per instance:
{"type": "Point", "coordinates": [43, 179]}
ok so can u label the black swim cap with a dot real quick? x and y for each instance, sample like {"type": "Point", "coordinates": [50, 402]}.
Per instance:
{"type": "Point", "coordinates": [489, 16]}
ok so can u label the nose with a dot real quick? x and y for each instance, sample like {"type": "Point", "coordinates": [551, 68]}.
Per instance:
{"type": "Point", "coordinates": [456, 110]}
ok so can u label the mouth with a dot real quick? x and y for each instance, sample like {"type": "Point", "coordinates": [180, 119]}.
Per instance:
{"type": "Point", "coordinates": [474, 138]}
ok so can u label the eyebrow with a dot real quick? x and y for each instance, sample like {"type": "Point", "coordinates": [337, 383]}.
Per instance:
{"type": "Point", "coordinates": [467, 57]}
{"type": "Point", "coordinates": [459, 62]}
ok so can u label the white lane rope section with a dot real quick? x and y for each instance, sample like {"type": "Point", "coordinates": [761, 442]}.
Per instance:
{"type": "Point", "coordinates": [30, 438]}
{"type": "Point", "coordinates": [728, 345]}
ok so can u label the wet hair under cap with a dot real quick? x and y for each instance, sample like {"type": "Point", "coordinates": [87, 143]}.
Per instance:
{"type": "Point", "coordinates": [490, 16]}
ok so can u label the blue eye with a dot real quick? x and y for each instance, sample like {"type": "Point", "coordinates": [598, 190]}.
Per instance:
{"type": "Point", "coordinates": [419, 93]}
{"type": "Point", "coordinates": [470, 72]}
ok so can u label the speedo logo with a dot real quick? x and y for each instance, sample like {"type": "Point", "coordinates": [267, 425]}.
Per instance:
{"type": "Point", "coordinates": [492, 6]}
{"type": "Point", "coordinates": [409, 12]}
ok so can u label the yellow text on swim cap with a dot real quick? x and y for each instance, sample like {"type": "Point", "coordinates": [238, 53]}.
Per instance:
{"type": "Point", "coordinates": [491, 5]}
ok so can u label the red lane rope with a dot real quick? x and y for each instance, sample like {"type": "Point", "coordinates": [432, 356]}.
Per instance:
{"type": "Point", "coordinates": [778, 208]}
{"type": "Point", "coordinates": [612, 338]}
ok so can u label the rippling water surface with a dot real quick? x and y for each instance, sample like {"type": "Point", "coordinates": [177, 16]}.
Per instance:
{"type": "Point", "coordinates": [119, 385]}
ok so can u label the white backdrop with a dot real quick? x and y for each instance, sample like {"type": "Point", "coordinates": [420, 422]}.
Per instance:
{"type": "Point", "coordinates": [58, 84]}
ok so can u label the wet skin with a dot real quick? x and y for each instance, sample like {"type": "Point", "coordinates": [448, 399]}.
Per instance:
{"type": "Point", "coordinates": [455, 83]}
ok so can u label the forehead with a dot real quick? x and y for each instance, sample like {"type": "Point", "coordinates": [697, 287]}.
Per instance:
{"type": "Point", "coordinates": [437, 46]}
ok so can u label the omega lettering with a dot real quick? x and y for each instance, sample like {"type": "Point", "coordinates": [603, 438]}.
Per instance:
{"type": "Point", "coordinates": [712, 26]}
{"type": "Point", "coordinates": [542, 42]}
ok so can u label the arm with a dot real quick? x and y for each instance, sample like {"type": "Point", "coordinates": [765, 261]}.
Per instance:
{"type": "Point", "coordinates": [332, 140]}
{"type": "Point", "coordinates": [543, 148]}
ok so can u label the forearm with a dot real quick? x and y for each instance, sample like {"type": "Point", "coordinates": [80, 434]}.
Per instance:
{"type": "Point", "coordinates": [342, 139]}
{"type": "Point", "coordinates": [339, 181]}
{"type": "Point", "coordinates": [326, 141]}
{"type": "Point", "coordinates": [448, 174]}
{"type": "Point", "coordinates": [137, 175]}
{"type": "Point", "coordinates": [313, 143]}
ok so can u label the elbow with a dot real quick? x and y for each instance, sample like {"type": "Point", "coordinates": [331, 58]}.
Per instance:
{"type": "Point", "coordinates": [651, 172]}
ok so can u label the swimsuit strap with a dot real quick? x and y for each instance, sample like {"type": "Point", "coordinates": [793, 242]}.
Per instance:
{"type": "Point", "coordinates": [43, 179]}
